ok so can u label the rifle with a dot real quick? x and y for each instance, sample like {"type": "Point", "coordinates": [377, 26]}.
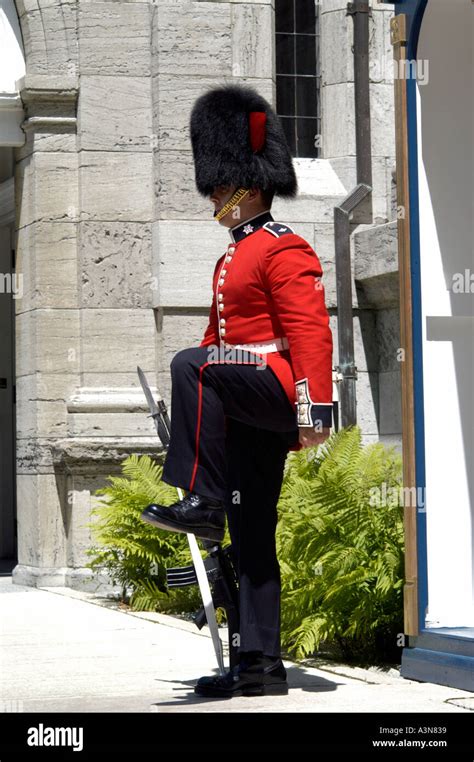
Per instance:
{"type": "Point", "coordinates": [215, 574]}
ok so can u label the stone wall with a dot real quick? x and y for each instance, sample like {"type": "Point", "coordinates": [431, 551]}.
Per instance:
{"type": "Point", "coordinates": [117, 249]}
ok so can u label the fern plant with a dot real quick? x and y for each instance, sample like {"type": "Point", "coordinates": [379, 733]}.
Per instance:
{"type": "Point", "coordinates": [341, 549]}
{"type": "Point", "coordinates": [134, 553]}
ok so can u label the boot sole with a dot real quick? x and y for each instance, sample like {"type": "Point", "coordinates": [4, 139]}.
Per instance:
{"type": "Point", "coordinates": [275, 689]}
{"type": "Point", "coordinates": [204, 533]}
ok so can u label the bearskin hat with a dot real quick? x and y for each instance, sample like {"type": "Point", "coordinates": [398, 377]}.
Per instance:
{"type": "Point", "coordinates": [237, 140]}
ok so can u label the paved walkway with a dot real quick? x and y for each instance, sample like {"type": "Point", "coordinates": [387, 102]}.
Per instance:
{"type": "Point", "coordinates": [61, 650]}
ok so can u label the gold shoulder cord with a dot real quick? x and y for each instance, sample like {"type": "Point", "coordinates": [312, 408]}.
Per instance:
{"type": "Point", "coordinates": [234, 201]}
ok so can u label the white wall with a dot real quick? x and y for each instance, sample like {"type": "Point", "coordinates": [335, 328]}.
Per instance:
{"type": "Point", "coordinates": [12, 65]}
{"type": "Point", "coordinates": [12, 68]}
{"type": "Point", "coordinates": [445, 134]}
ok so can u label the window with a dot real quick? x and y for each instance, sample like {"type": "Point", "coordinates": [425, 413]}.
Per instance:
{"type": "Point", "coordinates": [297, 73]}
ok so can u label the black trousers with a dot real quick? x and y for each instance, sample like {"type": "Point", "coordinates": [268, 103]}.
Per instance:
{"type": "Point", "coordinates": [231, 428]}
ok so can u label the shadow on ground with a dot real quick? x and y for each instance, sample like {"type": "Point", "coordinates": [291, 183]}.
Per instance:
{"type": "Point", "coordinates": [298, 679]}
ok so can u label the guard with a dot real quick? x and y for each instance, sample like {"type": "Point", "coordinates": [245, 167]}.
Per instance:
{"type": "Point", "coordinates": [259, 384]}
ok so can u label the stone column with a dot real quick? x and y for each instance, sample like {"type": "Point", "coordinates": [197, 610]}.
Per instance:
{"type": "Point", "coordinates": [84, 201]}
{"type": "Point", "coordinates": [47, 319]}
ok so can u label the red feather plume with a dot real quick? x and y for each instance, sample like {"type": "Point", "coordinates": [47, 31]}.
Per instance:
{"type": "Point", "coordinates": [257, 128]}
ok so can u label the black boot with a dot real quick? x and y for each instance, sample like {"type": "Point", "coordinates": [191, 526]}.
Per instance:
{"type": "Point", "coordinates": [254, 676]}
{"type": "Point", "coordinates": [195, 514]}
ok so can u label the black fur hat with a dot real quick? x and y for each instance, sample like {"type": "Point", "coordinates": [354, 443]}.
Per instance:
{"type": "Point", "coordinates": [237, 139]}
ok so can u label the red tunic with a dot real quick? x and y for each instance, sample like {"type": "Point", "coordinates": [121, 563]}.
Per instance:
{"type": "Point", "coordinates": [268, 286]}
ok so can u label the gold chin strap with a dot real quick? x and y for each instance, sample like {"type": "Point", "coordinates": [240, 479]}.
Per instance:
{"type": "Point", "coordinates": [232, 202]}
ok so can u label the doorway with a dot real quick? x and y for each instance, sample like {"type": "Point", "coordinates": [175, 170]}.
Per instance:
{"type": "Point", "coordinates": [9, 290]}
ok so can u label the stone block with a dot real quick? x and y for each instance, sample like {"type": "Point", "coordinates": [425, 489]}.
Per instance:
{"type": "Point", "coordinates": [316, 177]}
{"type": "Point", "coordinates": [316, 209]}
{"type": "Point", "coordinates": [192, 39]}
{"type": "Point", "coordinates": [115, 264]}
{"type": "Point", "coordinates": [365, 347]}
{"type": "Point", "coordinates": [388, 339]}
{"type": "Point", "coordinates": [34, 455]}
{"type": "Point", "coordinates": [367, 391]}
{"type": "Point", "coordinates": [381, 185]}
{"type": "Point", "coordinates": [338, 120]}
{"type": "Point", "coordinates": [109, 412]}
{"type": "Point", "coordinates": [392, 441]}
{"type": "Point", "coordinates": [336, 34]}
{"type": "Point", "coordinates": [177, 331]}
{"type": "Point", "coordinates": [46, 258]}
{"type": "Point", "coordinates": [83, 500]}
{"type": "Point", "coordinates": [41, 404]}
{"type": "Point", "coordinates": [376, 251]}
{"type": "Point", "coordinates": [42, 526]}
{"type": "Point", "coordinates": [117, 340]}
{"type": "Point", "coordinates": [247, 2]}
{"type": "Point", "coordinates": [175, 189]}
{"type": "Point", "coordinates": [328, 6]}
{"type": "Point", "coordinates": [252, 41]}
{"type": "Point", "coordinates": [382, 120]}
{"type": "Point", "coordinates": [390, 403]}
{"type": "Point", "coordinates": [46, 188]}
{"type": "Point", "coordinates": [54, 138]}
{"type": "Point", "coordinates": [173, 98]}
{"type": "Point", "coordinates": [116, 186]}
{"type": "Point", "coordinates": [103, 377]}
{"type": "Point", "coordinates": [376, 265]}
{"type": "Point", "coordinates": [114, 113]}
{"type": "Point", "coordinates": [48, 341]}
{"type": "Point", "coordinates": [115, 38]}
{"type": "Point", "coordinates": [366, 354]}
{"type": "Point", "coordinates": [185, 255]}
{"type": "Point", "coordinates": [380, 46]}
{"type": "Point", "coordinates": [367, 404]}
{"type": "Point", "coordinates": [49, 32]}
{"type": "Point", "coordinates": [110, 425]}
{"type": "Point", "coordinates": [346, 170]}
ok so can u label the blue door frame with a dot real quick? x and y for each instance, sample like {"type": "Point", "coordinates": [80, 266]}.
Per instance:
{"type": "Point", "coordinates": [438, 655]}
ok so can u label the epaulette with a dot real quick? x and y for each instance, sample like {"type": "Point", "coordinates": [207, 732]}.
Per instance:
{"type": "Point", "coordinates": [277, 229]}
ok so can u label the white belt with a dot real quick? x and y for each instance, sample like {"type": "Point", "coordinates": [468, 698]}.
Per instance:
{"type": "Point", "coordinates": [277, 345]}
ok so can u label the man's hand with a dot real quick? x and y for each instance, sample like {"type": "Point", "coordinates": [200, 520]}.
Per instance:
{"type": "Point", "coordinates": [310, 438]}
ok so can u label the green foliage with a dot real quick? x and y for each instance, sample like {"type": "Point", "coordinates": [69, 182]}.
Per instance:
{"type": "Point", "coordinates": [133, 552]}
{"type": "Point", "coordinates": [341, 549]}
